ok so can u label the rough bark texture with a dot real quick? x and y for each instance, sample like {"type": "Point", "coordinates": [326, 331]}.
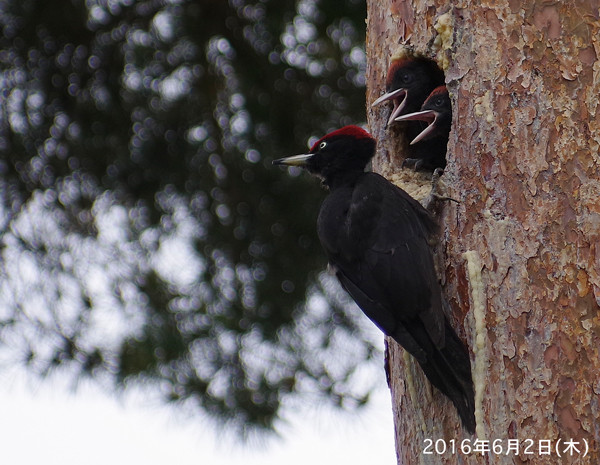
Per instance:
{"type": "Point", "coordinates": [520, 254]}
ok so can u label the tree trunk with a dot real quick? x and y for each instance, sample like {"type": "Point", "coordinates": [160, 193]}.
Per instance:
{"type": "Point", "coordinates": [520, 260]}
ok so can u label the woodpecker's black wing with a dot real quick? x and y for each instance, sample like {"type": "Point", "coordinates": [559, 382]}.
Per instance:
{"type": "Point", "coordinates": [376, 236]}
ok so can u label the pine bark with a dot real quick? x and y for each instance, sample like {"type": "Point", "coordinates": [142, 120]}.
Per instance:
{"type": "Point", "coordinates": [520, 254]}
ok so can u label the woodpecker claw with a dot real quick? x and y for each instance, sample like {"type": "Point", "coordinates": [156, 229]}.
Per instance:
{"type": "Point", "coordinates": [436, 195]}
{"type": "Point", "coordinates": [414, 163]}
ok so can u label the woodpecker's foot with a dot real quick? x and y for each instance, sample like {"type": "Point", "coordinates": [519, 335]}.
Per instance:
{"type": "Point", "coordinates": [437, 191]}
{"type": "Point", "coordinates": [420, 164]}
{"type": "Point", "coordinates": [435, 180]}
{"type": "Point", "coordinates": [414, 163]}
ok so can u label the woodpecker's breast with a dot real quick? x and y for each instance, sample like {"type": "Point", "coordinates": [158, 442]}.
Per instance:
{"type": "Point", "coordinates": [331, 223]}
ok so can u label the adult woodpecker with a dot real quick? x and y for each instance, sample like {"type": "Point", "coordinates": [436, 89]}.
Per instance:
{"type": "Point", "coordinates": [437, 113]}
{"type": "Point", "coordinates": [409, 82]}
{"type": "Point", "coordinates": [376, 237]}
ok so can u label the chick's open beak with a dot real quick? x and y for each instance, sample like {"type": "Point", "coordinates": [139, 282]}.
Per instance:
{"type": "Point", "coordinates": [398, 97]}
{"type": "Point", "coordinates": [429, 116]}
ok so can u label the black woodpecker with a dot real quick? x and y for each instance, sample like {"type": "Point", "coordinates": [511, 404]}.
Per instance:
{"type": "Point", "coordinates": [376, 237]}
{"type": "Point", "coordinates": [436, 112]}
{"type": "Point", "coordinates": [409, 82]}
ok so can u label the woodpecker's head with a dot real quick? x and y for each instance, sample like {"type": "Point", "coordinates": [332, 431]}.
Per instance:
{"type": "Point", "coordinates": [409, 81]}
{"type": "Point", "coordinates": [436, 112]}
{"type": "Point", "coordinates": [347, 150]}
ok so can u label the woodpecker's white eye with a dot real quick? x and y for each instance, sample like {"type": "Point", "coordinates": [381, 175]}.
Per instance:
{"type": "Point", "coordinates": [322, 145]}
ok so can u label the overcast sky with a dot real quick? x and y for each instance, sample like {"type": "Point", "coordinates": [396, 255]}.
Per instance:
{"type": "Point", "coordinates": [45, 423]}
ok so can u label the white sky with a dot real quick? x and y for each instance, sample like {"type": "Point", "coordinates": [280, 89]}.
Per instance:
{"type": "Point", "coordinates": [45, 423]}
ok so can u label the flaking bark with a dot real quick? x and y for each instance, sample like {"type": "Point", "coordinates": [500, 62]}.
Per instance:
{"type": "Point", "coordinates": [524, 79]}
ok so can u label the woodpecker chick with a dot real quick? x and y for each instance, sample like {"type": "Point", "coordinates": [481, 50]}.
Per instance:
{"type": "Point", "coordinates": [432, 141]}
{"type": "Point", "coordinates": [436, 112]}
{"type": "Point", "coordinates": [408, 83]}
{"type": "Point", "coordinates": [376, 238]}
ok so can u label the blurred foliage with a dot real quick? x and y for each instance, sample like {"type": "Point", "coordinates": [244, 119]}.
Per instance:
{"type": "Point", "coordinates": [144, 234]}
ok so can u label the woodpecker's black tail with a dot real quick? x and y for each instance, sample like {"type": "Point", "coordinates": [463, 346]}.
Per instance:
{"type": "Point", "coordinates": [449, 369]}
{"type": "Point", "coordinates": [455, 356]}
